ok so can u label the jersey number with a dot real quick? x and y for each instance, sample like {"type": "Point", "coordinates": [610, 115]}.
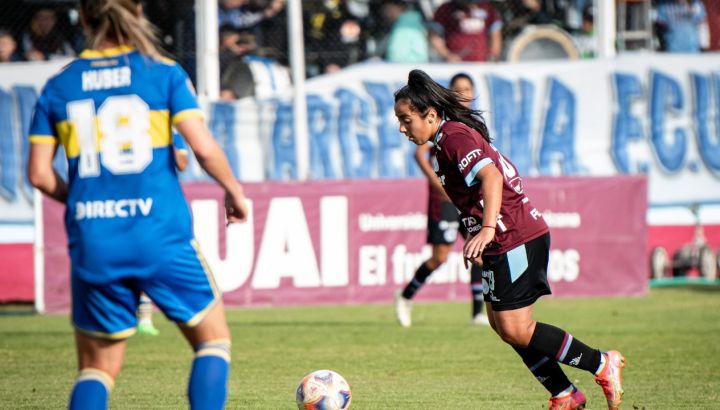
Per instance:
{"type": "Point", "coordinates": [123, 124]}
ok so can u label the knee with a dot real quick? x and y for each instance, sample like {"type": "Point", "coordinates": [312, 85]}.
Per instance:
{"type": "Point", "coordinates": [514, 336]}
{"type": "Point", "coordinates": [437, 260]}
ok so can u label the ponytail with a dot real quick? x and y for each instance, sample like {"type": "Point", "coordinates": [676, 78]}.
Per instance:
{"type": "Point", "coordinates": [122, 22]}
{"type": "Point", "coordinates": [424, 93]}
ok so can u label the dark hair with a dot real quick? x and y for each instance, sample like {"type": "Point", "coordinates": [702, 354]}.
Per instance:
{"type": "Point", "coordinates": [424, 93]}
{"type": "Point", "coordinates": [462, 76]}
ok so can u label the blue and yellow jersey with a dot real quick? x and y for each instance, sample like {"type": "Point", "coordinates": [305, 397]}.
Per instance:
{"type": "Point", "coordinates": [113, 112]}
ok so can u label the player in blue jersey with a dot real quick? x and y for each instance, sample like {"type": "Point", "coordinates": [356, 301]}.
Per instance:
{"type": "Point", "coordinates": [128, 224]}
{"type": "Point", "coordinates": [145, 310]}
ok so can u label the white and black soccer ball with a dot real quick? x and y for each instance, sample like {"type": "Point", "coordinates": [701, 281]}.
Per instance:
{"type": "Point", "coordinates": [323, 390]}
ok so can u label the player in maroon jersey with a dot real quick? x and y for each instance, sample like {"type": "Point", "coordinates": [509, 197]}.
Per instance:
{"type": "Point", "coordinates": [508, 238]}
{"type": "Point", "coordinates": [443, 224]}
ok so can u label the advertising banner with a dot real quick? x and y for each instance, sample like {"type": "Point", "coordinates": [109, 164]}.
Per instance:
{"type": "Point", "coordinates": [346, 242]}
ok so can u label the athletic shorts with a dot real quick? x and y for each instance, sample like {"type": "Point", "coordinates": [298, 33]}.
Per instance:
{"type": "Point", "coordinates": [517, 278]}
{"type": "Point", "coordinates": [184, 290]}
{"type": "Point", "coordinates": [444, 231]}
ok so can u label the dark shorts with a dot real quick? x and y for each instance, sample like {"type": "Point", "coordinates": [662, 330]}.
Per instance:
{"type": "Point", "coordinates": [444, 230]}
{"type": "Point", "coordinates": [517, 278]}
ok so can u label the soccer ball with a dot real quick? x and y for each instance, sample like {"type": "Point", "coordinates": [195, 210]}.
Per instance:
{"type": "Point", "coordinates": [323, 390]}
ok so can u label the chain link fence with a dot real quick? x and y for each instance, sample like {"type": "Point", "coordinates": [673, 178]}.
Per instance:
{"type": "Point", "coordinates": [339, 33]}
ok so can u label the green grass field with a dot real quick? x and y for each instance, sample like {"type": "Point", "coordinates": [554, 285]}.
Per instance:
{"type": "Point", "coordinates": [671, 339]}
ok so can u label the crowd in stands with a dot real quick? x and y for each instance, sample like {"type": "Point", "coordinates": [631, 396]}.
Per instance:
{"type": "Point", "coordinates": [342, 32]}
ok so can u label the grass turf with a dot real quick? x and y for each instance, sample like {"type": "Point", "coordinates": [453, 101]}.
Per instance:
{"type": "Point", "coordinates": [671, 339]}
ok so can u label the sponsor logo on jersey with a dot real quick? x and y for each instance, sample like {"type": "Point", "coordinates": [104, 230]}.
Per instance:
{"type": "Point", "coordinates": [468, 159]}
{"type": "Point", "coordinates": [113, 208]}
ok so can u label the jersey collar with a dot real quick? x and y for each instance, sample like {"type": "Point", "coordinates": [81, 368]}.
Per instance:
{"type": "Point", "coordinates": [438, 135]}
{"type": "Point", "coordinates": [108, 52]}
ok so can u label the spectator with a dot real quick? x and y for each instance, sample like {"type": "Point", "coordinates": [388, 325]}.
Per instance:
{"type": "Point", "coordinates": [712, 8]}
{"type": "Point", "coordinates": [518, 14]}
{"type": "Point", "coordinates": [42, 40]}
{"type": "Point", "coordinates": [246, 15]}
{"type": "Point", "coordinates": [236, 80]}
{"type": "Point", "coordinates": [679, 22]}
{"type": "Point", "coordinates": [585, 38]}
{"type": "Point", "coordinates": [8, 46]}
{"type": "Point", "coordinates": [332, 36]}
{"type": "Point", "coordinates": [408, 39]}
{"type": "Point", "coordinates": [467, 30]}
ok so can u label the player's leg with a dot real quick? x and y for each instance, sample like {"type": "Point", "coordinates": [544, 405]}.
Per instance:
{"type": "Point", "coordinates": [440, 254]}
{"type": "Point", "coordinates": [548, 373]}
{"type": "Point", "coordinates": [99, 363]}
{"type": "Point", "coordinates": [103, 316]}
{"type": "Point", "coordinates": [519, 278]}
{"type": "Point", "coordinates": [210, 339]}
{"type": "Point", "coordinates": [476, 288]}
{"type": "Point", "coordinates": [403, 299]}
{"type": "Point", "coordinates": [441, 233]}
{"type": "Point", "coordinates": [145, 322]}
{"type": "Point", "coordinates": [186, 292]}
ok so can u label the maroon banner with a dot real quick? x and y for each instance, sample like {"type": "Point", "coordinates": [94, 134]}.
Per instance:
{"type": "Point", "coordinates": [337, 242]}
{"type": "Point", "coordinates": [16, 272]}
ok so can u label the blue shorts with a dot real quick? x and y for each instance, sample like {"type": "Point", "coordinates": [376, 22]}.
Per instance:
{"type": "Point", "coordinates": [184, 290]}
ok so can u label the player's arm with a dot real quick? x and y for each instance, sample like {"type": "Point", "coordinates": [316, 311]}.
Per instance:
{"type": "Point", "coordinates": [213, 161]}
{"type": "Point", "coordinates": [181, 159]}
{"type": "Point", "coordinates": [421, 157]}
{"type": "Point", "coordinates": [491, 182]}
{"type": "Point", "coordinates": [42, 175]}
{"type": "Point", "coordinates": [181, 152]}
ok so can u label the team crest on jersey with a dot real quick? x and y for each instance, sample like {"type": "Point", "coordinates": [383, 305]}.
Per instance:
{"type": "Point", "coordinates": [516, 184]}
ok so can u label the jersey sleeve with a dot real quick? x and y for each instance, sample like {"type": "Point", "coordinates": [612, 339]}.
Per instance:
{"type": "Point", "coordinates": [42, 129]}
{"type": "Point", "coordinates": [496, 23]}
{"type": "Point", "coordinates": [469, 154]}
{"type": "Point", "coordinates": [179, 142]}
{"type": "Point", "coordinates": [183, 101]}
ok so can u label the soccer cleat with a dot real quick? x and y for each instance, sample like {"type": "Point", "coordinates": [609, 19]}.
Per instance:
{"type": "Point", "coordinates": [147, 329]}
{"type": "Point", "coordinates": [403, 310]}
{"type": "Point", "coordinates": [480, 319]}
{"type": "Point", "coordinates": [610, 378]}
{"type": "Point", "coordinates": [569, 401]}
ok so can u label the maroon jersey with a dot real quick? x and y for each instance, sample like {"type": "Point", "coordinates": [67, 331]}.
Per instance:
{"type": "Point", "coordinates": [467, 31]}
{"type": "Point", "coordinates": [461, 153]}
{"type": "Point", "coordinates": [435, 198]}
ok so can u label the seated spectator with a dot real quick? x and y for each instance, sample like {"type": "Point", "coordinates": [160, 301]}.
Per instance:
{"type": "Point", "coordinates": [42, 40]}
{"type": "Point", "coordinates": [467, 30]}
{"type": "Point", "coordinates": [8, 46]}
{"type": "Point", "coordinates": [408, 39]}
{"type": "Point", "coordinates": [246, 15]}
{"type": "Point", "coordinates": [235, 76]}
{"type": "Point", "coordinates": [679, 22]}
{"type": "Point", "coordinates": [233, 45]}
{"type": "Point", "coordinates": [332, 36]}
{"type": "Point", "coordinates": [518, 14]}
{"type": "Point", "coordinates": [585, 37]}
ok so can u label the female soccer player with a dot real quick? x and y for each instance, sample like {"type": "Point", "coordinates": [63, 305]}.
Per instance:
{"type": "Point", "coordinates": [509, 239]}
{"type": "Point", "coordinates": [129, 227]}
{"type": "Point", "coordinates": [443, 224]}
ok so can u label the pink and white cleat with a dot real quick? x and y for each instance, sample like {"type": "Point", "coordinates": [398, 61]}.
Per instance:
{"type": "Point", "coordinates": [610, 378]}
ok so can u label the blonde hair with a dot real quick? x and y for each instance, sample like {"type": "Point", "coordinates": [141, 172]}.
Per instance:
{"type": "Point", "coordinates": [122, 22]}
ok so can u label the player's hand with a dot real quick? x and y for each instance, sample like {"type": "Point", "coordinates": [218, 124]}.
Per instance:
{"type": "Point", "coordinates": [474, 247]}
{"type": "Point", "coordinates": [235, 206]}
